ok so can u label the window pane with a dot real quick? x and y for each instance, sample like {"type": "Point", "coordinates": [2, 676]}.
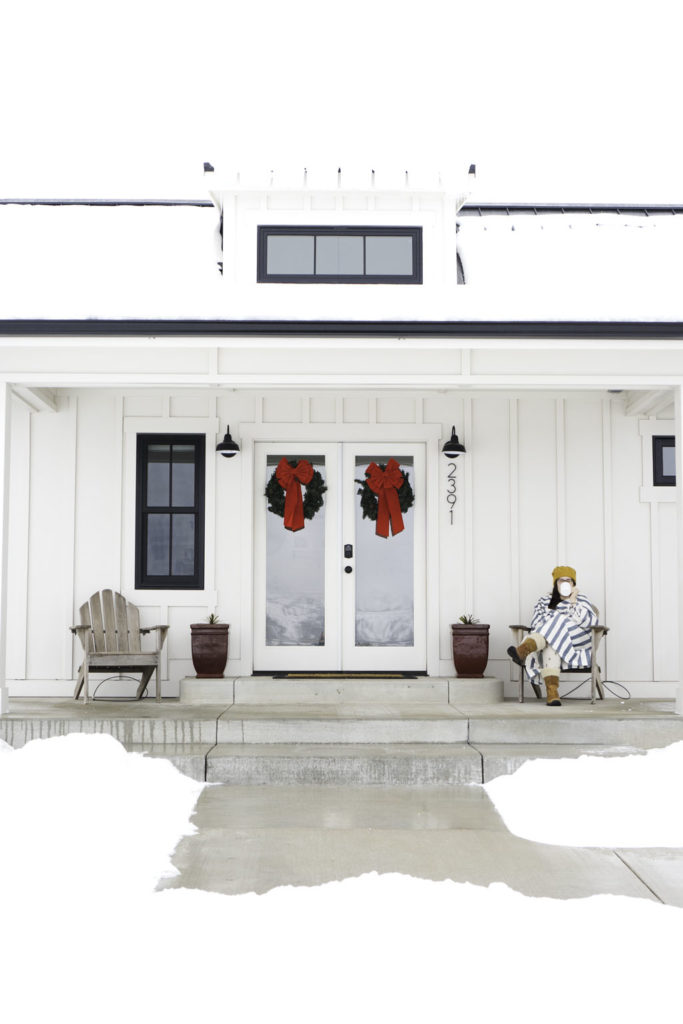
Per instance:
{"type": "Point", "coordinates": [182, 553]}
{"type": "Point", "coordinates": [336, 254]}
{"type": "Point", "coordinates": [669, 461]}
{"type": "Point", "coordinates": [385, 611]}
{"type": "Point", "coordinates": [158, 475]}
{"type": "Point", "coordinates": [158, 536]}
{"type": "Point", "coordinates": [389, 254]}
{"type": "Point", "coordinates": [295, 574]}
{"type": "Point", "coordinates": [182, 487]}
{"type": "Point", "coordinates": [290, 254]}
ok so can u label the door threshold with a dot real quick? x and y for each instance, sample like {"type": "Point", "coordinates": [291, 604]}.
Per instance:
{"type": "Point", "coordinates": [339, 675]}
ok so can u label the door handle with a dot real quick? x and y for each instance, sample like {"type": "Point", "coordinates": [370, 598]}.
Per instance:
{"type": "Point", "coordinates": [348, 551]}
{"type": "Point", "coordinates": [347, 568]}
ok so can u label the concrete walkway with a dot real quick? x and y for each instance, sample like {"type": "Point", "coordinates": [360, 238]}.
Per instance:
{"type": "Point", "coordinates": [254, 838]}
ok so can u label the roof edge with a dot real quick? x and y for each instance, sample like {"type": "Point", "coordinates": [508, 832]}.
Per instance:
{"type": "Point", "coordinates": [624, 329]}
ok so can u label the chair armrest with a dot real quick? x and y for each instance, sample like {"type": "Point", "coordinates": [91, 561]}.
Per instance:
{"type": "Point", "coordinates": [161, 633]}
{"type": "Point", "coordinates": [82, 633]}
{"type": "Point", "coordinates": [528, 628]}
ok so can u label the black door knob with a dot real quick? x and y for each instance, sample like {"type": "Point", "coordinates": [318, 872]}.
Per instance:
{"type": "Point", "coordinates": [347, 568]}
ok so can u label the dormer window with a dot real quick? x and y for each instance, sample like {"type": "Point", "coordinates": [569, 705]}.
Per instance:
{"type": "Point", "coordinates": [339, 255]}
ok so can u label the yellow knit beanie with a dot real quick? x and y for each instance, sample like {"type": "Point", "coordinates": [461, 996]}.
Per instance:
{"type": "Point", "coordinates": [563, 570]}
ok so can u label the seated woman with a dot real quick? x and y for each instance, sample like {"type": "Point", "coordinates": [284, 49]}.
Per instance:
{"type": "Point", "coordinates": [560, 628]}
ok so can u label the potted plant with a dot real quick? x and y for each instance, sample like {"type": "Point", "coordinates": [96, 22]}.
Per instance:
{"type": "Point", "coordinates": [470, 646]}
{"type": "Point", "coordinates": [209, 647]}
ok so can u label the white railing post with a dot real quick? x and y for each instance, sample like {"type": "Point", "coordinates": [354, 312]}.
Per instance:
{"type": "Point", "coordinates": [5, 438]}
{"type": "Point", "coordinates": [679, 533]}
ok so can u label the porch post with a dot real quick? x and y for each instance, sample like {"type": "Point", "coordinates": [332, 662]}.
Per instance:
{"type": "Point", "coordinates": [5, 437]}
{"type": "Point", "coordinates": [678, 404]}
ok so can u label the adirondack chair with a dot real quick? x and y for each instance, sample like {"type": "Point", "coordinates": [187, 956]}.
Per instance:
{"type": "Point", "coordinates": [110, 633]}
{"type": "Point", "coordinates": [597, 633]}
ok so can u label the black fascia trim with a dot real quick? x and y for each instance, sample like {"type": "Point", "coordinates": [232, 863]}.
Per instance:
{"type": "Point", "coordinates": [106, 202]}
{"type": "Point", "coordinates": [647, 209]}
{"type": "Point", "coordinates": [575, 329]}
{"type": "Point", "coordinates": [362, 231]}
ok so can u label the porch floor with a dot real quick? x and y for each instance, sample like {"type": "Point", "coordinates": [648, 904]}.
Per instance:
{"type": "Point", "coordinates": [370, 743]}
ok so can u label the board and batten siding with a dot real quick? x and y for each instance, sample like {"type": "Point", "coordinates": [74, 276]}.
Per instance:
{"type": "Point", "coordinates": [547, 478]}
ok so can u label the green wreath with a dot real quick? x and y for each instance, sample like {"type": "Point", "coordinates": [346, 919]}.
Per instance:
{"type": "Point", "coordinates": [369, 501]}
{"type": "Point", "coordinates": [313, 495]}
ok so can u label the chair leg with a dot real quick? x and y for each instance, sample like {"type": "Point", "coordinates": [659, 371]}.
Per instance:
{"type": "Point", "coordinates": [79, 683]}
{"type": "Point", "coordinates": [598, 683]}
{"type": "Point", "coordinates": [85, 681]}
{"type": "Point", "coordinates": [158, 681]}
{"type": "Point", "coordinates": [144, 682]}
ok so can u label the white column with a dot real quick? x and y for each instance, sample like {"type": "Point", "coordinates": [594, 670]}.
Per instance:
{"type": "Point", "coordinates": [679, 532]}
{"type": "Point", "coordinates": [5, 437]}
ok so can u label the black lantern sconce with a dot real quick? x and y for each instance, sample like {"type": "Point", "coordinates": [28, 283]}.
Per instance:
{"type": "Point", "coordinates": [227, 447]}
{"type": "Point", "coordinates": [452, 447]}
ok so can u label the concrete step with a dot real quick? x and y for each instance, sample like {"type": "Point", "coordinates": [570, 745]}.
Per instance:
{"type": "Point", "coordinates": [506, 758]}
{"type": "Point", "coordinates": [587, 724]}
{"type": "Point", "coordinates": [344, 723]}
{"type": "Point", "coordinates": [252, 690]}
{"type": "Point", "coordinates": [367, 764]}
{"type": "Point", "coordinates": [396, 764]}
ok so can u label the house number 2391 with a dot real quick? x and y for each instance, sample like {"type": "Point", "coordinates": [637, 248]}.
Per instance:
{"type": "Point", "coordinates": [450, 491]}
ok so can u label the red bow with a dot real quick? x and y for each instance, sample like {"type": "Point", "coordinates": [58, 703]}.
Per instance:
{"type": "Point", "coordinates": [290, 479]}
{"type": "Point", "coordinates": [385, 484]}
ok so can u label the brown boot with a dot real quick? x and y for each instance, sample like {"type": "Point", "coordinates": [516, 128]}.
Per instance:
{"type": "Point", "coordinates": [551, 688]}
{"type": "Point", "coordinates": [521, 653]}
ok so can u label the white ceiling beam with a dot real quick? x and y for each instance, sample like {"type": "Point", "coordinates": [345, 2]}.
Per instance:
{"type": "Point", "coordinates": [646, 403]}
{"type": "Point", "coordinates": [37, 399]}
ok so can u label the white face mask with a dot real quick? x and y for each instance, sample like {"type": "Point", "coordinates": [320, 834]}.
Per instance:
{"type": "Point", "coordinates": [565, 588]}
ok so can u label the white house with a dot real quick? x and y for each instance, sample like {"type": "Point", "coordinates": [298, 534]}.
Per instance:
{"type": "Point", "coordinates": [338, 321]}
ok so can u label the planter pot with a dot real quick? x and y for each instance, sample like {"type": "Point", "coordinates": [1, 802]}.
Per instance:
{"type": "Point", "coordinates": [209, 649]}
{"type": "Point", "coordinates": [470, 648]}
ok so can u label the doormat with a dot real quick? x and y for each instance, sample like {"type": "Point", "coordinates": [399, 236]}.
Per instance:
{"type": "Point", "coordinates": [340, 675]}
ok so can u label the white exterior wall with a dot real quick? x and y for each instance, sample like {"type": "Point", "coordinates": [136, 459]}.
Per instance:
{"type": "Point", "coordinates": [548, 478]}
{"type": "Point", "coordinates": [244, 211]}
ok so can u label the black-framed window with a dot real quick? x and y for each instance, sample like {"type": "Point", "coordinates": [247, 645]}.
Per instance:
{"type": "Point", "coordinates": [339, 255]}
{"type": "Point", "coordinates": [664, 461]}
{"type": "Point", "coordinates": [169, 536]}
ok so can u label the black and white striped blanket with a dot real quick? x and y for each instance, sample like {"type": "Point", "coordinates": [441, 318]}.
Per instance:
{"type": "Point", "coordinates": [566, 629]}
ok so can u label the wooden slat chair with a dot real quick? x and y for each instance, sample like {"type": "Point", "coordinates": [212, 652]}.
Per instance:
{"type": "Point", "coordinates": [597, 633]}
{"type": "Point", "coordinates": [110, 633]}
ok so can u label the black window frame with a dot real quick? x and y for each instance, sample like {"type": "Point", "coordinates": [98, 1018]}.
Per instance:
{"type": "Point", "coordinates": [143, 579]}
{"type": "Point", "coordinates": [265, 230]}
{"type": "Point", "coordinates": [659, 477]}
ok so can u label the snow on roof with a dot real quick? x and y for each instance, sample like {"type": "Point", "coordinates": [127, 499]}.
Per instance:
{"type": "Point", "coordinates": [147, 261]}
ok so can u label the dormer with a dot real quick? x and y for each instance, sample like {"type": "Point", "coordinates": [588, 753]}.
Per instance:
{"type": "Point", "coordinates": [366, 244]}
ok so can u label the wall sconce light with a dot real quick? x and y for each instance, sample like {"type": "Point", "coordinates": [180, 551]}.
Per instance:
{"type": "Point", "coordinates": [452, 447]}
{"type": "Point", "coordinates": [227, 447]}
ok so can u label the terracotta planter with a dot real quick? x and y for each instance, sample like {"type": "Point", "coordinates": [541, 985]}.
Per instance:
{"type": "Point", "coordinates": [209, 649]}
{"type": "Point", "coordinates": [470, 648]}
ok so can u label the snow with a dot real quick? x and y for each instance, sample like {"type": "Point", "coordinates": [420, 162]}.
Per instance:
{"type": "Point", "coordinates": [161, 262]}
{"type": "Point", "coordinates": [86, 829]}
{"type": "Point", "coordinates": [596, 801]}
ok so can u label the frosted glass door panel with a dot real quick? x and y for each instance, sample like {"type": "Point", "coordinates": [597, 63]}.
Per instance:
{"type": "Point", "coordinates": [384, 573]}
{"type": "Point", "coordinates": [295, 573]}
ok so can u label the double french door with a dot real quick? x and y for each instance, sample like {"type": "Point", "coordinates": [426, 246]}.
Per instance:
{"type": "Point", "coordinates": [335, 595]}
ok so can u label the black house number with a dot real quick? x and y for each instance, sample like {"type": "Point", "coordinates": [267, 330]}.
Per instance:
{"type": "Point", "coordinates": [450, 491]}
